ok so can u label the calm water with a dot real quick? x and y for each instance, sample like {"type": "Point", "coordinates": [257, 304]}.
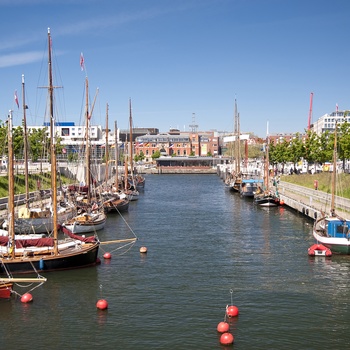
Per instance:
{"type": "Point", "coordinates": [203, 242]}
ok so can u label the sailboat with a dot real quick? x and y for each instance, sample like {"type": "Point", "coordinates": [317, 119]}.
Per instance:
{"type": "Point", "coordinates": [35, 219]}
{"type": "Point", "coordinates": [331, 230]}
{"type": "Point", "coordinates": [129, 181]}
{"type": "Point", "coordinates": [235, 178]}
{"type": "Point", "coordinates": [265, 196]}
{"type": "Point", "coordinates": [18, 256]}
{"type": "Point", "coordinates": [92, 217]}
{"type": "Point", "coordinates": [112, 198]}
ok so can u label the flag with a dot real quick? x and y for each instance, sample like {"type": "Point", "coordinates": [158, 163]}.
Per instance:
{"type": "Point", "coordinates": [171, 145]}
{"type": "Point", "coordinates": [336, 107]}
{"type": "Point", "coordinates": [139, 144]}
{"type": "Point", "coordinates": [16, 99]}
{"type": "Point", "coordinates": [82, 65]}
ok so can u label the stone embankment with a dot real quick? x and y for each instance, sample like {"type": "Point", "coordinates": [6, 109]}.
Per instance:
{"type": "Point", "coordinates": [311, 202]}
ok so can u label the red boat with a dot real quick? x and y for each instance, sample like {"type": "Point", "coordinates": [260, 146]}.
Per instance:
{"type": "Point", "coordinates": [319, 250]}
{"type": "Point", "coordinates": [5, 290]}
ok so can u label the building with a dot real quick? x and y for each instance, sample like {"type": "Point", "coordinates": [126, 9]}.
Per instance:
{"type": "Point", "coordinates": [327, 122]}
{"type": "Point", "coordinates": [177, 143]}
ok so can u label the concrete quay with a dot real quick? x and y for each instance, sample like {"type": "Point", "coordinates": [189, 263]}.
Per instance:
{"type": "Point", "coordinates": [310, 202]}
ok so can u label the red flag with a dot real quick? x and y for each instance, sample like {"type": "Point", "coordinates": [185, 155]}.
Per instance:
{"type": "Point", "coordinates": [82, 61]}
{"type": "Point", "coordinates": [16, 99]}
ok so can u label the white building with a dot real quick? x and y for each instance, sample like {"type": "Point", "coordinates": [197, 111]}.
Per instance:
{"type": "Point", "coordinates": [327, 121]}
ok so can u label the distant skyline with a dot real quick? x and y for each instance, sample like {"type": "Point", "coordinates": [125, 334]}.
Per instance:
{"type": "Point", "coordinates": [177, 60]}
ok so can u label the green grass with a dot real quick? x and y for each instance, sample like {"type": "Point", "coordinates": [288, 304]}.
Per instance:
{"type": "Point", "coordinates": [324, 182]}
{"type": "Point", "coordinates": [45, 183]}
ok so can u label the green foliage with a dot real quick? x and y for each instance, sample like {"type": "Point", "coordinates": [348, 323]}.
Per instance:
{"type": "Point", "coordinates": [156, 154]}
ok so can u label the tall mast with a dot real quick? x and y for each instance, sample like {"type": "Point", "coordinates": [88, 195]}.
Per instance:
{"type": "Point", "coordinates": [25, 135]}
{"type": "Point", "coordinates": [334, 169]}
{"type": "Point", "coordinates": [87, 146]}
{"type": "Point", "coordinates": [236, 132]}
{"type": "Point", "coordinates": [106, 145]}
{"type": "Point", "coordinates": [11, 198]}
{"type": "Point", "coordinates": [52, 149]}
{"type": "Point", "coordinates": [116, 150]}
{"type": "Point", "coordinates": [131, 141]}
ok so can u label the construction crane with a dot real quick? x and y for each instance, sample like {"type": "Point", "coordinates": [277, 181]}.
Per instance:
{"type": "Point", "coordinates": [310, 112]}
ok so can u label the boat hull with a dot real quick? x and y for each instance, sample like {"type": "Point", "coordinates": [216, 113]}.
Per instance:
{"type": "Point", "coordinates": [333, 234]}
{"type": "Point", "coordinates": [42, 224]}
{"type": "Point", "coordinates": [84, 256]}
{"type": "Point", "coordinates": [5, 290]}
{"type": "Point", "coordinates": [266, 201]}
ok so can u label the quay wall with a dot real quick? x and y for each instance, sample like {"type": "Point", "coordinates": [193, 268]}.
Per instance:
{"type": "Point", "coordinates": [311, 202]}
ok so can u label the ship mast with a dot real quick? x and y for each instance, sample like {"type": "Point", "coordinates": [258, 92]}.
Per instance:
{"type": "Point", "coordinates": [106, 145]}
{"type": "Point", "coordinates": [25, 135]}
{"type": "Point", "coordinates": [11, 198]}
{"type": "Point", "coordinates": [52, 148]}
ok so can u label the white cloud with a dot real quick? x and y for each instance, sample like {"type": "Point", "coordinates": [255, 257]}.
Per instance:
{"type": "Point", "coordinates": [20, 58]}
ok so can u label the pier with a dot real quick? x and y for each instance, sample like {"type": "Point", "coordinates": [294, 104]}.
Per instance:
{"type": "Point", "coordinates": [310, 202]}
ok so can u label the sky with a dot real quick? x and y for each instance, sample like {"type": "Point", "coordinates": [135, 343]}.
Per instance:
{"type": "Point", "coordinates": [180, 62]}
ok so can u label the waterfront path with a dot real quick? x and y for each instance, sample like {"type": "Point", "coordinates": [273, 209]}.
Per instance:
{"type": "Point", "coordinates": [311, 202]}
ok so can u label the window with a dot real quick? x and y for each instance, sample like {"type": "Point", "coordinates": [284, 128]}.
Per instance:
{"type": "Point", "coordinates": [65, 132]}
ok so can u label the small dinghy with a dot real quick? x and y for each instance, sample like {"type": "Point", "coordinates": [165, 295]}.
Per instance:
{"type": "Point", "coordinates": [319, 250]}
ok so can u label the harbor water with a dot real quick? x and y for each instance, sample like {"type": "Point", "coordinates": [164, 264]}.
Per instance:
{"type": "Point", "coordinates": [207, 248]}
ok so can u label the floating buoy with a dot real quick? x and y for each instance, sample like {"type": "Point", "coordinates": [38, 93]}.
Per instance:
{"type": "Point", "coordinates": [281, 202]}
{"type": "Point", "coordinates": [226, 339]}
{"type": "Point", "coordinates": [26, 298]}
{"type": "Point", "coordinates": [107, 255]}
{"type": "Point", "coordinates": [232, 311]}
{"type": "Point", "coordinates": [102, 304]}
{"type": "Point", "coordinates": [143, 250]}
{"type": "Point", "coordinates": [223, 327]}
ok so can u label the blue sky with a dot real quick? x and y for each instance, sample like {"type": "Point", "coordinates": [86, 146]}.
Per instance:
{"type": "Point", "coordinates": [178, 60]}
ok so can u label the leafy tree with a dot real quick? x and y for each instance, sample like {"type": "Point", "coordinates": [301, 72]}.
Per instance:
{"type": "Point", "coordinates": [344, 142]}
{"type": "Point", "coordinates": [296, 149]}
{"type": "Point", "coordinates": [156, 154]}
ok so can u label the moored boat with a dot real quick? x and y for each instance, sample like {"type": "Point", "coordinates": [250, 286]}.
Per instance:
{"type": "Point", "coordinates": [331, 230]}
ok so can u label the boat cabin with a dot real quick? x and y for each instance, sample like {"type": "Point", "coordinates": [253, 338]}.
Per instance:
{"type": "Point", "coordinates": [338, 228]}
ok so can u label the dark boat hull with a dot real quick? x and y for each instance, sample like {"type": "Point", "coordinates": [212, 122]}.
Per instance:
{"type": "Point", "coordinates": [88, 256]}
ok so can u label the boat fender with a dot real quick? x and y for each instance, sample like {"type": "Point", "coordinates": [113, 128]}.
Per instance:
{"type": "Point", "coordinates": [315, 215]}
{"type": "Point", "coordinates": [41, 264]}
{"type": "Point", "coordinates": [307, 212]}
{"type": "Point", "coordinates": [303, 210]}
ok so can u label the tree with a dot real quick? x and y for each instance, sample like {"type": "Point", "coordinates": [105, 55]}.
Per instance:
{"type": "Point", "coordinates": [156, 154]}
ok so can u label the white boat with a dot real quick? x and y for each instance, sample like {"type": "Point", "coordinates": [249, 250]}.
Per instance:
{"type": "Point", "coordinates": [331, 230]}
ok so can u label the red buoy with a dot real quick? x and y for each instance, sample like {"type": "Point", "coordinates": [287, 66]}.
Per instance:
{"type": "Point", "coordinates": [281, 202]}
{"type": "Point", "coordinates": [107, 255]}
{"type": "Point", "coordinates": [226, 339]}
{"type": "Point", "coordinates": [223, 327]}
{"type": "Point", "coordinates": [26, 298]}
{"type": "Point", "coordinates": [102, 304]}
{"type": "Point", "coordinates": [232, 311]}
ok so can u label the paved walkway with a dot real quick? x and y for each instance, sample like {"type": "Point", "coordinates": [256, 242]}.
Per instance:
{"type": "Point", "coordinates": [311, 202]}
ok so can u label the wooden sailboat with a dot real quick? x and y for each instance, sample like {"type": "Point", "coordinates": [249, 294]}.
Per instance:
{"type": "Point", "coordinates": [92, 217]}
{"type": "Point", "coordinates": [235, 178]}
{"type": "Point", "coordinates": [112, 201]}
{"type": "Point", "coordinates": [29, 218]}
{"type": "Point", "coordinates": [331, 230]}
{"type": "Point", "coordinates": [266, 197]}
{"type": "Point", "coordinates": [44, 254]}
{"type": "Point", "coordinates": [129, 181]}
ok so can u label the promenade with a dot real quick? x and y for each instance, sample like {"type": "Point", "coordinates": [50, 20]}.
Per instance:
{"type": "Point", "coordinates": [311, 202]}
